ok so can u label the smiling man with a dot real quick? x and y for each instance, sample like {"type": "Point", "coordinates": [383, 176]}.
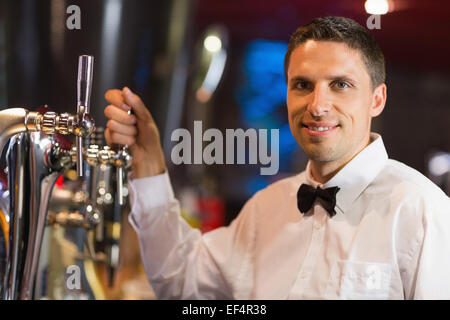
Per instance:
{"type": "Point", "coordinates": [332, 97]}
{"type": "Point", "coordinates": [354, 225]}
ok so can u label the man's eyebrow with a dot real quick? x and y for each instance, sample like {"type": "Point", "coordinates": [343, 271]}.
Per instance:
{"type": "Point", "coordinates": [300, 78]}
{"type": "Point", "coordinates": [342, 77]}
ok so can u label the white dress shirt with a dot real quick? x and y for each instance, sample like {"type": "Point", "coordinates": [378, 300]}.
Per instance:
{"type": "Point", "coordinates": [389, 239]}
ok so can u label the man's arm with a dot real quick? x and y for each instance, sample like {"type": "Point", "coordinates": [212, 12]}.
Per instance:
{"type": "Point", "coordinates": [179, 262]}
{"type": "Point", "coordinates": [430, 264]}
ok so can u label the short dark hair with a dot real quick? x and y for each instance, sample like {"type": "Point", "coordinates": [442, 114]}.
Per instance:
{"type": "Point", "coordinates": [348, 31]}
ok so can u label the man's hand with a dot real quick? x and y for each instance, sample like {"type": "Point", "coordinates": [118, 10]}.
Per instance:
{"type": "Point", "coordinates": [138, 131]}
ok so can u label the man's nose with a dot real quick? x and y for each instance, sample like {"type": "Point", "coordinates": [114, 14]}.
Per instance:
{"type": "Point", "coordinates": [319, 103]}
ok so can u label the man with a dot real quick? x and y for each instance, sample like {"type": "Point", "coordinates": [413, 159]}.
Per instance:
{"type": "Point", "coordinates": [353, 225]}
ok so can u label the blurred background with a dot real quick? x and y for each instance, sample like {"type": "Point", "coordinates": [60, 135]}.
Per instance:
{"type": "Point", "coordinates": [221, 62]}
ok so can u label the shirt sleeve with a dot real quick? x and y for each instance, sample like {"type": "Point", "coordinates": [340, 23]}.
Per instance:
{"type": "Point", "coordinates": [179, 261]}
{"type": "Point", "coordinates": [432, 263]}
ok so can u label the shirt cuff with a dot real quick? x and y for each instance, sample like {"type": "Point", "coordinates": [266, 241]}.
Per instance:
{"type": "Point", "coordinates": [149, 193]}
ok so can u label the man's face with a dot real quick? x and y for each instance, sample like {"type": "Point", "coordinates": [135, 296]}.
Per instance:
{"type": "Point", "coordinates": [329, 98]}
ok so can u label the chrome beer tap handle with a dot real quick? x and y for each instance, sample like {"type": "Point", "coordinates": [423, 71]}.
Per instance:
{"type": "Point", "coordinates": [84, 88]}
{"type": "Point", "coordinates": [122, 161]}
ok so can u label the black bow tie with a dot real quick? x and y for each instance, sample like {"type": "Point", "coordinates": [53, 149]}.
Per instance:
{"type": "Point", "coordinates": [307, 194]}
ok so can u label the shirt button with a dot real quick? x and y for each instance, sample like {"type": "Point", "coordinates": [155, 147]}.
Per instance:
{"type": "Point", "coordinates": [317, 224]}
{"type": "Point", "coordinates": [303, 275]}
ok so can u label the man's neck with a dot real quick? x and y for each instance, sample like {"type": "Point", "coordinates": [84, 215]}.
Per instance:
{"type": "Point", "coordinates": [322, 172]}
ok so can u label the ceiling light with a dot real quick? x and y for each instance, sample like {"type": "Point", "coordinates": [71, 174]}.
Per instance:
{"type": "Point", "coordinates": [377, 6]}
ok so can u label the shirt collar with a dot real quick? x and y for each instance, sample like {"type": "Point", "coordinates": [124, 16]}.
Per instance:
{"type": "Point", "coordinates": [357, 174]}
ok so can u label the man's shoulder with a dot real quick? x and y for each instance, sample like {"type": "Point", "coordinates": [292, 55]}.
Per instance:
{"type": "Point", "coordinates": [400, 178]}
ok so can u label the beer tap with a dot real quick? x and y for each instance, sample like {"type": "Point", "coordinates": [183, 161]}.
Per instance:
{"type": "Point", "coordinates": [102, 163]}
{"type": "Point", "coordinates": [17, 120]}
{"type": "Point", "coordinates": [32, 179]}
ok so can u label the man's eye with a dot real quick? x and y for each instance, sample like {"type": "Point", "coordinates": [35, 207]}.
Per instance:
{"type": "Point", "coordinates": [342, 84]}
{"type": "Point", "coordinates": [301, 85]}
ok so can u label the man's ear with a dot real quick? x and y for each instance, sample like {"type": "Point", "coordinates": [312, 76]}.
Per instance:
{"type": "Point", "coordinates": [378, 100]}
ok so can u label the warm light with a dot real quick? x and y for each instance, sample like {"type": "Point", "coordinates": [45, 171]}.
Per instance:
{"type": "Point", "coordinates": [377, 6]}
{"type": "Point", "coordinates": [212, 43]}
{"type": "Point", "coordinates": [203, 95]}
{"type": "Point", "coordinates": [71, 174]}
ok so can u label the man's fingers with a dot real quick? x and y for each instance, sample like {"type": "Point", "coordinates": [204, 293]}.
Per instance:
{"type": "Point", "coordinates": [115, 97]}
{"type": "Point", "coordinates": [113, 137]}
{"type": "Point", "coordinates": [136, 104]}
{"type": "Point", "coordinates": [108, 137]}
{"type": "Point", "coordinates": [121, 116]}
{"type": "Point", "coordinates": [118, 127]}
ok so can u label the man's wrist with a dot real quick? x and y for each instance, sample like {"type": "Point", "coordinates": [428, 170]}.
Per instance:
{"type": "Point", "coordinates": [147, 170]}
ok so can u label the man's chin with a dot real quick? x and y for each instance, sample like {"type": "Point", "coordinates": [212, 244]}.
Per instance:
{"type": "Point", "coordinates": [321, 157]}
{"type": "Point", "coordinates": [319, 153]}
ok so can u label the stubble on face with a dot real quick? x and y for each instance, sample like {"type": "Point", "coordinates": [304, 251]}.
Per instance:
{"type": "Point", "coordinates": [322, 149]}
{"type": "Point", "coordinates": [344, 107]}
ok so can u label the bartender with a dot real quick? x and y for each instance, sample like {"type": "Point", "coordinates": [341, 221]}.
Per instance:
{"type": "Point", "coordinates": [354, 225]}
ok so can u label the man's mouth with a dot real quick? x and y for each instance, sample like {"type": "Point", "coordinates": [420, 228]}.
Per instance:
{"type": "Point", "coordinates": [316, 128]}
